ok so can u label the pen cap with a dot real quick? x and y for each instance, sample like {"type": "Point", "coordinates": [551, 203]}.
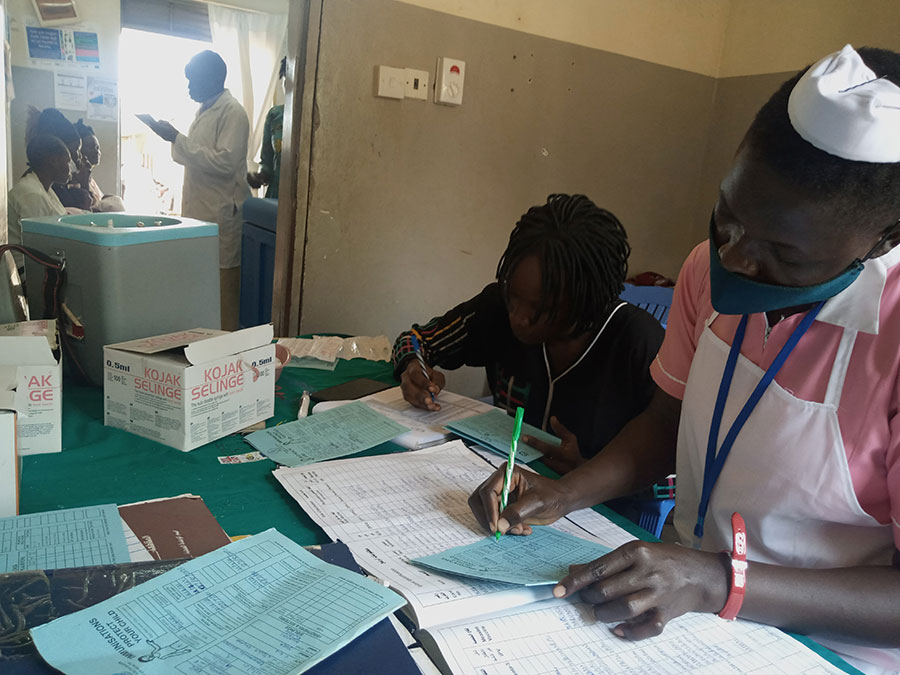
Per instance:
{"type": "Point", "coordinates": [520, 415]}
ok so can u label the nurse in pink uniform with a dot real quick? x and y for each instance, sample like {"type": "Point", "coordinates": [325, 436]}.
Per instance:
{"type": "Point", "coordinates": [778, 391]}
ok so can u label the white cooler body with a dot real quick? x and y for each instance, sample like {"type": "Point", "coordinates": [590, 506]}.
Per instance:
{"type": "Point", "coordinates": [125, 282]}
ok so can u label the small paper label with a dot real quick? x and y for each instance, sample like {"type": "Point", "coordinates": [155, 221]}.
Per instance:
{"type": "Point", "coordinates": [241, 459]}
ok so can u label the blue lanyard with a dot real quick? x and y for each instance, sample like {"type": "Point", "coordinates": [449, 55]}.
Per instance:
{"type": "Point", "coordinates": [714, 461]}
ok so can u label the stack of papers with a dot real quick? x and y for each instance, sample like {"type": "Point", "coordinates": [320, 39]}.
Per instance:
{"type": "Point", "coordinates": [337, 432]}
{"type": "Point", "coordinates": [427, 427]}
{"type": "Point", "coordinates": [494, 430]}
{"type": "Point", "coordinates": [260, 605]}
{"type": "Point", "coordinates": [91, 535]}
{"type": "Point", "coordinates": [394, 508]}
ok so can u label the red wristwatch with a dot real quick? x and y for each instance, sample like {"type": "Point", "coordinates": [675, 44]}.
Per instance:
{"type": "Point", "coordinates": [738, 569]}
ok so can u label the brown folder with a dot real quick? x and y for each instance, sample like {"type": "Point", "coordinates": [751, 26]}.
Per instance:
{"type": "Point", "coordinates": [176, 527]}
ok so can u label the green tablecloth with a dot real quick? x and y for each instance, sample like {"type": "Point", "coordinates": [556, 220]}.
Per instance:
{"type": "Point", "coordinates": [102, 465]}
{"type": "Point", "coordinates": [106, 465]}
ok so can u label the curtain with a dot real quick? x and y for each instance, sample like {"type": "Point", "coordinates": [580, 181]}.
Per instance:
{"type": "Point", "coordinates": [252, 45]}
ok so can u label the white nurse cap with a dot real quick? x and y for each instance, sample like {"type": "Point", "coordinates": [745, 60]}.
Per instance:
{"type": "Point", "coordinates": [843, 108]}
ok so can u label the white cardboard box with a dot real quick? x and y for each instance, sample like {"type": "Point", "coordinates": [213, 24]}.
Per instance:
{"type": "Point", "coordinates": [9, 465]}
{"type": "Point", "coordinates": [189, 388]}
{"type": "Point", "coordinates": [31, 384]}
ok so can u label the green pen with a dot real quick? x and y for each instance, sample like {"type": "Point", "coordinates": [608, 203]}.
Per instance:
{"type": "Point", "coordinates": [510, 463]}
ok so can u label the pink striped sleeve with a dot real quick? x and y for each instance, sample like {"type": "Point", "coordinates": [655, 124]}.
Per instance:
{"type": "Point", "coordinates": [671, 366]}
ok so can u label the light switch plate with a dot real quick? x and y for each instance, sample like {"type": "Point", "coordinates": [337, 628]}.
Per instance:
{"type": "Point", "coordinates": [390, 82]}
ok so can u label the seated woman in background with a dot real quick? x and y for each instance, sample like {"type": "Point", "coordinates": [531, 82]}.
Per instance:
{"type": "Point", "coordinates": [32, 196]}
{"type": "Point", "coordinates": [52, 122]}
{"type": "Point", "coordinates": [90, 157]}
{"type": "Point", "coordinates": [83, 178]}
{"type": "Point", "coordinates": [551, 332]}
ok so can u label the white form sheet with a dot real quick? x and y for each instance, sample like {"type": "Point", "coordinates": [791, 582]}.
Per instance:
{"type": "Point", "coordinates": [137, 552]}
{"type": "Point", "coordinates": [426, 426]}
{"type": "Point", "coordinates": [391, 508]}
{"type": "Point", "coordinates": [557, 636]}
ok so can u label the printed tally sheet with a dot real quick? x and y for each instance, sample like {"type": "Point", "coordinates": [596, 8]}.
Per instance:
{"type": "Point", "coordinates": [494, 430]}
{"type": "Point", "coordinates": [261, 605]}
{"type": "Point", "coordinates": [80, 537]}
{"type": "Point", "coordinates": [338, 432]}
{"type": "Point", "coordinates": [392, 508]}
{"type": "Point", "coordinates": [426, 426]}
{"type": "Point", "coordinates": [558, 636]}
{"type": "Point", "coordinates": [541, 558]}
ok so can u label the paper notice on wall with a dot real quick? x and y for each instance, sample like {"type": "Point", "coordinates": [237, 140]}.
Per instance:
{"type": "Point", "coordinates": [71, 91]}
{"type": "Point", "coordinates": [68, 47]}
{"type": "Point", "coordinates": [102, 99]}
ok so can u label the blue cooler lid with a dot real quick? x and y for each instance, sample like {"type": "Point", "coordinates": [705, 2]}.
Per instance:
{"type": "Point", "coordinates": [119, 229]}
{"type": "Point", "coordinates": [261, 212]}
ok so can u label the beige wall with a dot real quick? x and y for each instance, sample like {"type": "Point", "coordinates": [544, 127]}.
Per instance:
{"type": "Point", "coordinates": [686, 34]}
{"type": "Point", "coordinates": [773, 36]}
{"type": "Point", "coordinates": [722, 38]}
{"type": "Point", "coordinates": [767, 42]}
{"type": "Point", "coordinates": [412, 203]}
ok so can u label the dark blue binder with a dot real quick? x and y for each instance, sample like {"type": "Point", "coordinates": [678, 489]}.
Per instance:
{"type": "Point", "coordinates": [378, 651]}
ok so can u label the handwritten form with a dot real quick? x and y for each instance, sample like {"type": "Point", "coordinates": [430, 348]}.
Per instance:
{"type": "Point", "coordinates": [91, 535]}
{"type": "Point", "coordinates": [540, 558]}
{"type": "Point", "coordinates": [494, 431]}
{"type": "Point", "coordinates": [261, 605]}
{"type": "Point", "coordinates": [392, 508]}
{"type": "Point", "coordinates": [426, 426]}
{"type": "Point", "coordinates": [334, 433]}
{"type": "Point", "coordinates": [558, 636]}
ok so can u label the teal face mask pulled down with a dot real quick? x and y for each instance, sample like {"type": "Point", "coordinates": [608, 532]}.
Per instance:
{"type": "Point", "coordinates": [732, 293]}
{"type": "Point", "coordinates": [538, 559]}
{"type": "Point", "coordinates": [334, 433]}
{"type": "Point", "coordinates": [261, 605]}
{"type": "Point", "coordinates": [494, 431]}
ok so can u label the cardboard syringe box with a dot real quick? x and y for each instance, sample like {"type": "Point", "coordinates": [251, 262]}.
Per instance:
{"type": "Point", "coordinates": [189, 388]}
{"type": "Point", "coordinates": [31, 384]}
{"type": "Point", "coordinates": [9, 465]}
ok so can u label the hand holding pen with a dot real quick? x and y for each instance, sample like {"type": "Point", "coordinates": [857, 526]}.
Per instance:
{"type": "Point", "coordinates": [419, 382]}
{"type": "Point", "coordinates": [510, 464]}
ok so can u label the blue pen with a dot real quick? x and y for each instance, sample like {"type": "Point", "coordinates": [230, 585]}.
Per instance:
{"type": "Point", "coordinates": [418, 350]}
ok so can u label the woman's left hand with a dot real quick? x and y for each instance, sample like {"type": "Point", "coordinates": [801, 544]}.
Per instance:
{"type": "Point", "coordinates": [645, 585]}
{"type": "Point", "coordinates": [561, 458]}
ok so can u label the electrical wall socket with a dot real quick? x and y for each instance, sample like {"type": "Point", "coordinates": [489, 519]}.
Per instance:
{"type": "Point", "coordinates": [416, 84]}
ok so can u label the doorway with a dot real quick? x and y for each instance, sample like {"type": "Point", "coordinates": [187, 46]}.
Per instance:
{"type": "Point", "coordinates": [152, 82]}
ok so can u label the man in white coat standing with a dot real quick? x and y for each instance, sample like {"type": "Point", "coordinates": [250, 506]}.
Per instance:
{"type": "Point", "coordinates": [214, 155]}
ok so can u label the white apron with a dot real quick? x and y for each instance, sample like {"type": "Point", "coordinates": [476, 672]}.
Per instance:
{"type": "Point", "coordinates": [787, 475]}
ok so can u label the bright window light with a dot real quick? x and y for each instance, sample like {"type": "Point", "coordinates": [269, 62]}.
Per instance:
{"type": "Point", "coordinates": [151, 80]}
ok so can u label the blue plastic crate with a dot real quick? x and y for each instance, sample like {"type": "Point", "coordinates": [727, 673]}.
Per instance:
{"type": "Point", "coordinates": [257, 275]}
{"type": "Point", "coordinates": [650, 514]}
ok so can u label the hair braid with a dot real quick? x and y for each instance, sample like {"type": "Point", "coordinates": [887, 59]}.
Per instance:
{"type": "Point", "coordinates": [583, 252]}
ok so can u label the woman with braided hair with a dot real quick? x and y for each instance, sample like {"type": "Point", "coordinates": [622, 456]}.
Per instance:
{"type": "Point", "coordinates": [551, 332]}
